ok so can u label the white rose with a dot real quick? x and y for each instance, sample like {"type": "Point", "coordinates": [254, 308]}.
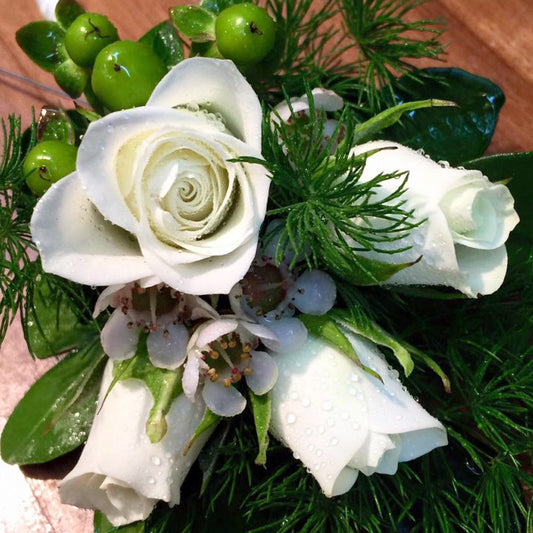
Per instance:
{"type": "Point", "coordinates": [339, 421]}
{"type": "Point", "coordinates": [120, 472]}
{"type": "Point", "coordinates": [154, 193]}
{"type": "Point", "coordinates": [468, 221]}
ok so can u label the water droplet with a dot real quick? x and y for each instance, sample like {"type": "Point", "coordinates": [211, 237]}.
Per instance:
{"type": "Point", "coordinates": [151, 480]}
{"type": "Point", "coordinates": [399, 417]}
{"type": "Point", "coordinates": [321, 430]}
{"type": "Point", "coordinates": [345, 416]}
{"type": "Point", "coordinates": [355, 426]}
{"type": "Point", "coordinates": [354, 377]}
{"type": "Point", "coordinates": [334, 441]}
{"type": "Point", "coordinates": [291, 418]}
{"type": "Point", "coordinates": [155, 460]}
{"type": "Point", "coordinates": [327, 405]}
{"type": "Point", "coordinates": [296, 456]}
{"type": "Point", "coordinates": [306, 402]}
{"type": "Point", "coordinates": [352, 391]}
{"type": "Point", "coordinates": [319, 453]}
{"type": "Point", "coordinates": [310, 447]}
{"type": "Point", "coordinates": [308, 431]}
{"type": "Point", "coordinates": [331, 422]}
{"type": "Point", "coordinates": [294, 395]}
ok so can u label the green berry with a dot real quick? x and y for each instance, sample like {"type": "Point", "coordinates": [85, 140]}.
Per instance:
{"type": "Point", "coordinates": [48, 162]}
{"type": "Point", "coordinates": [125, 73]}
{"type": "Point", "coordinates": [87, 35]}
{"type": "Point", "coordinates": [245, 33]}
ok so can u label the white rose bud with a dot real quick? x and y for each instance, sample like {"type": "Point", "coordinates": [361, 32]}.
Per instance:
{"type": "Point", "coordinates": [339, 421]}
{"type": "Point", "coordinates": [468, 220]}
{"type": "Point", "coordinates": [120, 472]}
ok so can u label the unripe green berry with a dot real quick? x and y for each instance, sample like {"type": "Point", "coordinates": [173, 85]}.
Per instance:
{"type": "Point", "coordinates": [125, 73]}
{"type": "Point", "coordinates": [245, 33]}
{"type": "Point", "coordinates": [48, 162]}
{"type": "Point", "coordinates": [86, 36]}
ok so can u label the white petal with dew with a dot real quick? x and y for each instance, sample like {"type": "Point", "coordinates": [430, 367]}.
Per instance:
{"type": "Point", "coordinates": [133, 470]}
{"type": "Point", "coordinates": [290, 333]}
{"type": "Point", "coordinates": [77, 243]}
{"type": "Point", "coordinates": [215, 85]}
{"type": "Point", "coordinates": [264, 373]}
{"type": "Point", "coordinates": [118, 339]}
{"type": "Point", "coordinates": [214, 329]}
{"type": "Point", "coordinates": [167, 346]}
{"type": "Point", "coordinates": [223, 401]}
{"type": "Point", "coordinates": [191, 375]}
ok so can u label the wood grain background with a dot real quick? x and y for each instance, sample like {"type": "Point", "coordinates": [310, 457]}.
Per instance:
{"type": "Point", "coordinates": [487, 37]}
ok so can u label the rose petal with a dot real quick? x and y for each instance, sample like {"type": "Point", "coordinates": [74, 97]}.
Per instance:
{"type": "Point", "coordinates": [320, 412]}
{"type": "Point", "coordinates": [112, 150]}
{"type": "Point", "coordinates": [133, 470]}
{"type": "Point", "coordinates": [215, 85]}
{"type": "Point", "coordinates": [290, 334]}
{"type": "Point", "coordinates": [223, 401]}
{"type": "Point", "coordinates": [484, 270]}
{"type": "Point", "coordinates": [369, 457]}
{"type": "Point", "coordinates": [167, 346]}
{"type": "Point", "coordinates": [76, 242]}
{"type": "Point", "coordinates": [118, 340]}
{"type": "Point", "coordinates": [215, 275]}
{"type": "Point", "coordinates": [264, 373]}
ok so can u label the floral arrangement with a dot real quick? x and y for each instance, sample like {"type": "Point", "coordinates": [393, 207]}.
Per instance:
{"type": "Point", "coordinates": [235, 245]}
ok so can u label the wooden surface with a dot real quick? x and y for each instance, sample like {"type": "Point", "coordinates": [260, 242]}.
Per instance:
{"type": "Point", "coordinates": [488, 37]}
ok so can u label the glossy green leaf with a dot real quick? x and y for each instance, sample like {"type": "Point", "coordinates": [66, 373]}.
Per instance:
{"type": "Point", "coordinates": [55, 415]}
{"type": "Point", "coordinates": [262, 411]}
{"type": "Point", "coordinates": [42, 41]}
{"type": "Point", "coordinates": [518, 168]}
{"type": "Point", "coordinates": [369, 129]}
{"type": "Point", "coordinates": [103, 525]}
{"type": "Point", "coordinates": [67, 11]}
{"type": "Point", "coordinates": [165, 42]}
{"type": "Point", "coordinates": [52, 327]}
{"type": "Point", "coordinates": [194, 22]}
{"type": "Point", "coordinates": [325, 328]}
{"type": "Point", "coordinates": [450, 134]}
{"type": "Point", "coordinates": [165, 386]}
{"type": "Point", "coordinates": [216, 6]}
{"type": "Point", "coordinates": [71, 78]}
{"type": "Point", "coordinates": [371, 331]}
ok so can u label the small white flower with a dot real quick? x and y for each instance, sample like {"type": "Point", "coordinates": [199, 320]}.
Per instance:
{"type": "Point", "coordinates": [270, 295]}
{"type": "Point", "coordinates": [155, 192]}
{"type": "Point", "coordinates": [157, 310]}
{"type": "Point", "coordinates": [340, 421]}
{"type": "Point", "coordinates": [462, 242]}
{"type": "Point", "coordinates": [222, 352]}
{"type": "Point", "coordinates": [323, 99]}
{"type": "Point", "coordinates": [120, 472]}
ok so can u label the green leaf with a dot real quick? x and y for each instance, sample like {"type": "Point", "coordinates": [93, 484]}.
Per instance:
{"type": "Point", "coordinates": [371, 331]}
{"type": "Point", "coordinates": [55, 415]}
{"type": "Point", "coordinates": [262, 411]}
{"type": "Point", "coordinates": [52, 326]}
{"type": "Point", "coordinates": [368, 130]}
{"type": "Point", "coordinates": [67, 11]}
{"type": "Point", "coordinates": [216, 6]}
{"type": "Point", "coordinates": [165, 386]}
{"type": "Point", "coordinates": [42, 41]}
{"type": "Point", "coordinates": [71, 78]}
{"type": "Point", "coordinates": [325, 328]}
{"type": "Point", "coordinates": [518, 168]}
{"type": "Point", "coordinates": [103, 525]}
{"type": "Point", "coordinates": [165, 42]}
{"type": "Point", "coordinates": [195, 22]}
{"type": "Point", "coordinates": [450, 134]}
{"type": "Point", "coordinates": [365, 271]}
{"type": "Point", "coordinates": [209, 419]}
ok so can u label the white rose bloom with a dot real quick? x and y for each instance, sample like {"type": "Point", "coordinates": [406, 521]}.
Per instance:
{"type": "Point", "coordinates": [155, 194]}
{"type": "Point", "coordinates": [462, 242]}
{"type": "Point", "coordinates": [120, 472]}
{"type": "Point", "coordinates": [339, 421]}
